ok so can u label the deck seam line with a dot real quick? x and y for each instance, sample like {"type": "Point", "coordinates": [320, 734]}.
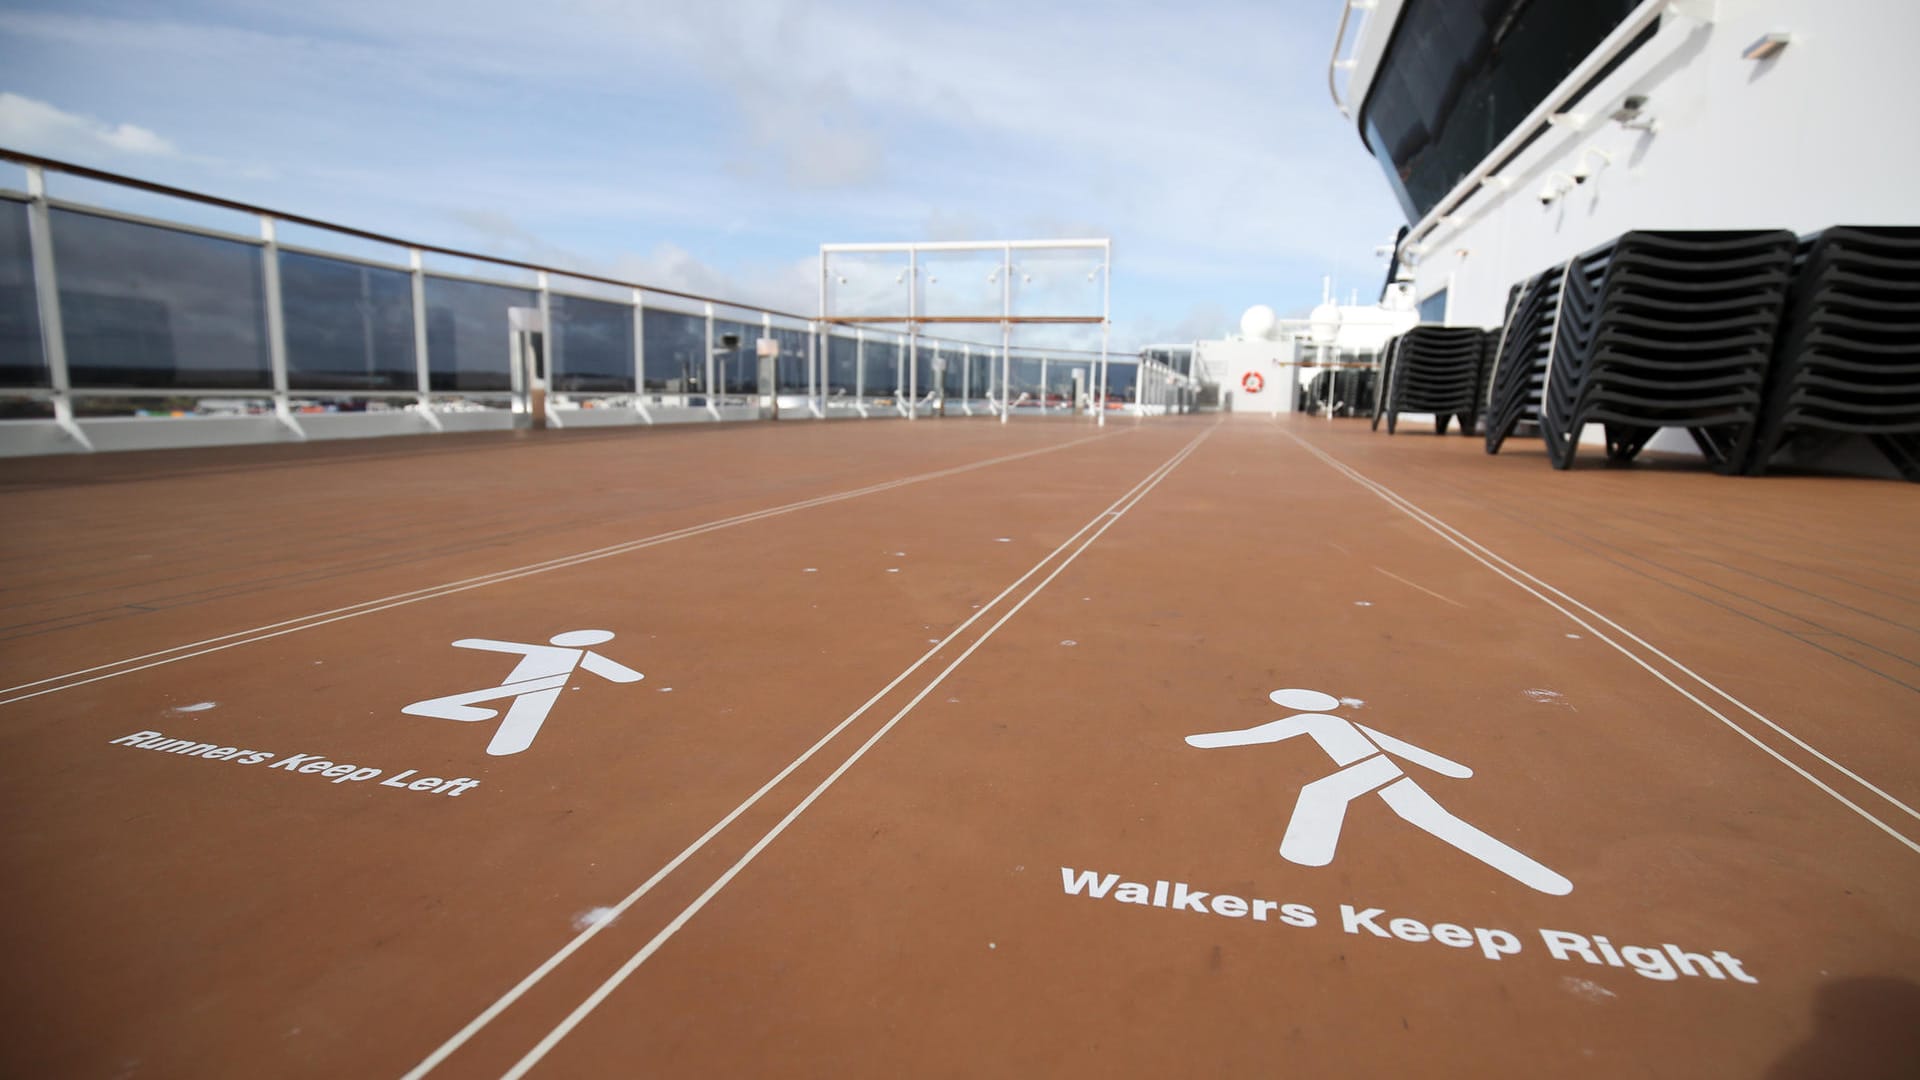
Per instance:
{"type": "Point", "coordinates": [633, 963]}
{"type": "Point", "coordinates": [580, 939]}
{"type": "Point", "coordinates": [1405, 506]}
{"type": "Point", "coordinates": [433, 592]}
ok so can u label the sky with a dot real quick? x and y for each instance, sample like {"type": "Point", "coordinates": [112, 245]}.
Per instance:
{"type": "Point", "coordinates": [713, 146]}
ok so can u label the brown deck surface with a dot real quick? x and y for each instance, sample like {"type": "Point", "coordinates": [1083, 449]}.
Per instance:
{"type": "Point", "coordinates": [906, 687]}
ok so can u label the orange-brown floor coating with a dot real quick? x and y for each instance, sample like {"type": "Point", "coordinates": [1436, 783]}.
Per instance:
{"type": "Point", "coordinates": [1627, 758]}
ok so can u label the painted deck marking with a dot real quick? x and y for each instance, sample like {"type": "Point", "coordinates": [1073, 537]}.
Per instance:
{"type": "Point", "coordinates": [1105, 521]}
{"type": "Point", "coordinates": [1468, 546]}
{"type": "Point", "coordinates": [1100, 522]}
{"type": "Point", "coordinates": [1362, 753]}
{"type": "Point", "coordinates": [534, 685]}
{"type": "Point", "coordinates": [368, 607]}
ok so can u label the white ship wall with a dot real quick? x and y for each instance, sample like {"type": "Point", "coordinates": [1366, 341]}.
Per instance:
{"type": "Point", "coordinates": [1823, 134]}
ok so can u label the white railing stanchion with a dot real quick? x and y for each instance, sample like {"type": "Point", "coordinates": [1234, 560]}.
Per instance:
{"type": "Point", "coordinates": [422, 369]}
{"type": "Point", "coordinates": [46, 292]}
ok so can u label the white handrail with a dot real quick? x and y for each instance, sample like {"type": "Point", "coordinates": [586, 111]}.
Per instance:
{"type": "Point", "coordinates": [1609, 48]}
{"type": "Point", "coordinates": [1333, 62]}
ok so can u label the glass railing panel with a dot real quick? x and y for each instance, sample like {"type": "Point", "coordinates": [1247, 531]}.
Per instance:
{"type": "Point", "coordinates": [146, 306]}
{"type": "Point", "coordinates": [843, 372]}
{"type": "Point", "coordinates": [468, 344]}
{"type": "Point", "coordinates": [349, 326]}
{"type": "Point", "coordinates": [676, 348]}
{"type": "Point", "coordinates": [592, 345]}
{"type": "Point", "coordinates": [881, 374]}
{"type": "Point", "coordinates": [735, 366]}
{"type": "Point", "coordinates": [23, 362]}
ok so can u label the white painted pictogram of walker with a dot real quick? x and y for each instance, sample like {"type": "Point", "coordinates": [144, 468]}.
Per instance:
{"type": "Point", "coordinates": [1314, 831]}
{"type": "Point", "coordinates": [534, 685]}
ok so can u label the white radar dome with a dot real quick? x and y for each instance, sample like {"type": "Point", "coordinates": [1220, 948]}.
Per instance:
{"type": "Point", "coordinates": [1323, 325]}
{"type": "Point", "coordinates": [1258, 323]}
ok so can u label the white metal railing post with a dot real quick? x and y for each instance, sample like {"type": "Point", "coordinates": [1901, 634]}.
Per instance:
{"type": "Point", "coordinates": [813, 361]}
{"type": "Point", "coordinates": [640, 357]}
{"type": "Point", "coordinates": [913, 334]}
{"type": "Point", "coordinates": [422, 369]}
{"type": "Point", "coordinates": [860, 370]}
{"type": "Point", "coordinates": [1006, 333]}
{"type": "Point", "coordinates": [1106, 328]}
{"type": "Point", "coordinates": [1046, 388]}
{"type": "Point", "coordinates": [46, 294]}
{"type": "Point", "coordinates": [966, 379]}
{"type": "Point", "coordinates": [902, 388]}
{"type": "Point", "coordinates": [548, 352]}
{"type": "Point", "coordinates": [276, 327]}
{"type": "Point", "coordinates": [766, 330]}
{"type": "Point", "coordinates": [713, 407]}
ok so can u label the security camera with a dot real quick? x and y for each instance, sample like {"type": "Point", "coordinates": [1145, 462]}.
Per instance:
{"type": "Point", "coordinates": [1585, 169]}
{"type": "Point", "coordinates": [1548, 194]}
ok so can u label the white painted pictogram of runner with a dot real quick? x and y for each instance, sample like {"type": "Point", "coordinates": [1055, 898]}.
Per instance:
{"type": "Point", "coordinates": [534, 685]}
{"type": "Point", "coordinates": [1314, 831]}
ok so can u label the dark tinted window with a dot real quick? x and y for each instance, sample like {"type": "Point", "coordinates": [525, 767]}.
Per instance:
{"type": "Point", "coordinates": [792, 370]}
{"type": "Point", "coordinates": [145, 306]}
{"type": "Point", "coordinates": [592, 344]}
{"type": "Point", "coordinates": [738, 368]}
{"type": "Point", "coordinates": [1459, 75]}
{"type": "Point", "coordinates": [349, 327]}
{"type": "Point", "coordinates": [843, 354]}
{"type": "Point", "coordinates": [468, 346]}
{"type": "Point", "coordinates": [22, 363]}
{"type": "Point", "coordinates": [882, 369]}
{"type": "Point", "coordinates": [676, 348]}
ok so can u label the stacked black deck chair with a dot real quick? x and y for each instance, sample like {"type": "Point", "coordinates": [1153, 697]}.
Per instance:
{"type": "Point", "coordinates": [1848, 358]}
{"type": "Point", "coordinates": [1520, 356]}
{"type": "Point", "coordinates": [1381, 379]}
{"type": "Point", "coordinates": [1666, 329]}
{"type": "Point", "coordinates": [1438, 370]}
{"type": "Point", "coordinates": [1352, 392]}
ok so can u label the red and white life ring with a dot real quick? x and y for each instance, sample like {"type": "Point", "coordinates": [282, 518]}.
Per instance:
{"type": "Point", "coordinates": [1253, 382]}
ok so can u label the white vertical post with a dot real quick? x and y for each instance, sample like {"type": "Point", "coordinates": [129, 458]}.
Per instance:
{"type": "Point", "coordinates": [815, 377]}
{"type": "Point", "coordinates": [860, 370]}
{"type": "Point", "coordinates": [536, 380]}
{"type": "Point", "coordinates": [826, 349]}
{"type": "Point", "coordinates": [913, 334]}
{"type": "Point", "coordinates": [1046, 388]}
{"type": "Point", "coordinates": [46, 294]}
{"type": "Point", "coordinates": [713, 407]}
{"type": "Point", "coordinates": [423, 371]}
{"type": "Point", "coordinates": [902, 377]}
{"type": "Point", "coordinates": [766, 330]}
{"type": "Point", "coordinates": [276, 327]}
{"type": "Point", "coordinates": [1106, 327]}
{"type": "Point", "coordinates": [640, 357]}
{"type": "Point", "coordinates": [966, 379]}
{"type": "Point", "coordinates": [1006, 333]}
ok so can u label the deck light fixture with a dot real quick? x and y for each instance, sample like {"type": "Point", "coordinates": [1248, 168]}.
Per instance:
{"type": "Point", "coordinates": [1767, 47]}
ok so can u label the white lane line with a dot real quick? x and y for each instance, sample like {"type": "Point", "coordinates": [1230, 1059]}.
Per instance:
{"type": "Point", "coordinates": [368, 607]}
{"type": "Point", "coordinates": [460, 1038]}
{"type": "Point", "coordinates": [600, 994]}
{"type": "Point", "coordinates": [1488, 558]}
{"type": "Point", "coordinates": [1422, 588]}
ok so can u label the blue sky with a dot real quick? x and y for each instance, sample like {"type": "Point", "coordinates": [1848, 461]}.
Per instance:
{"type": "Point", "coordinates": [712, 146]}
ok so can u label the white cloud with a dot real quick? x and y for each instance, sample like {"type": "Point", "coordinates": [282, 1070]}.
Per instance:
{"type": "Point", "coordinates": [47, 129]}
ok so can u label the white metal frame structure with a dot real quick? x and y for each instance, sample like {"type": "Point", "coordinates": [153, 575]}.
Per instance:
{"type": "Point", "coordinates": [914, 319]}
